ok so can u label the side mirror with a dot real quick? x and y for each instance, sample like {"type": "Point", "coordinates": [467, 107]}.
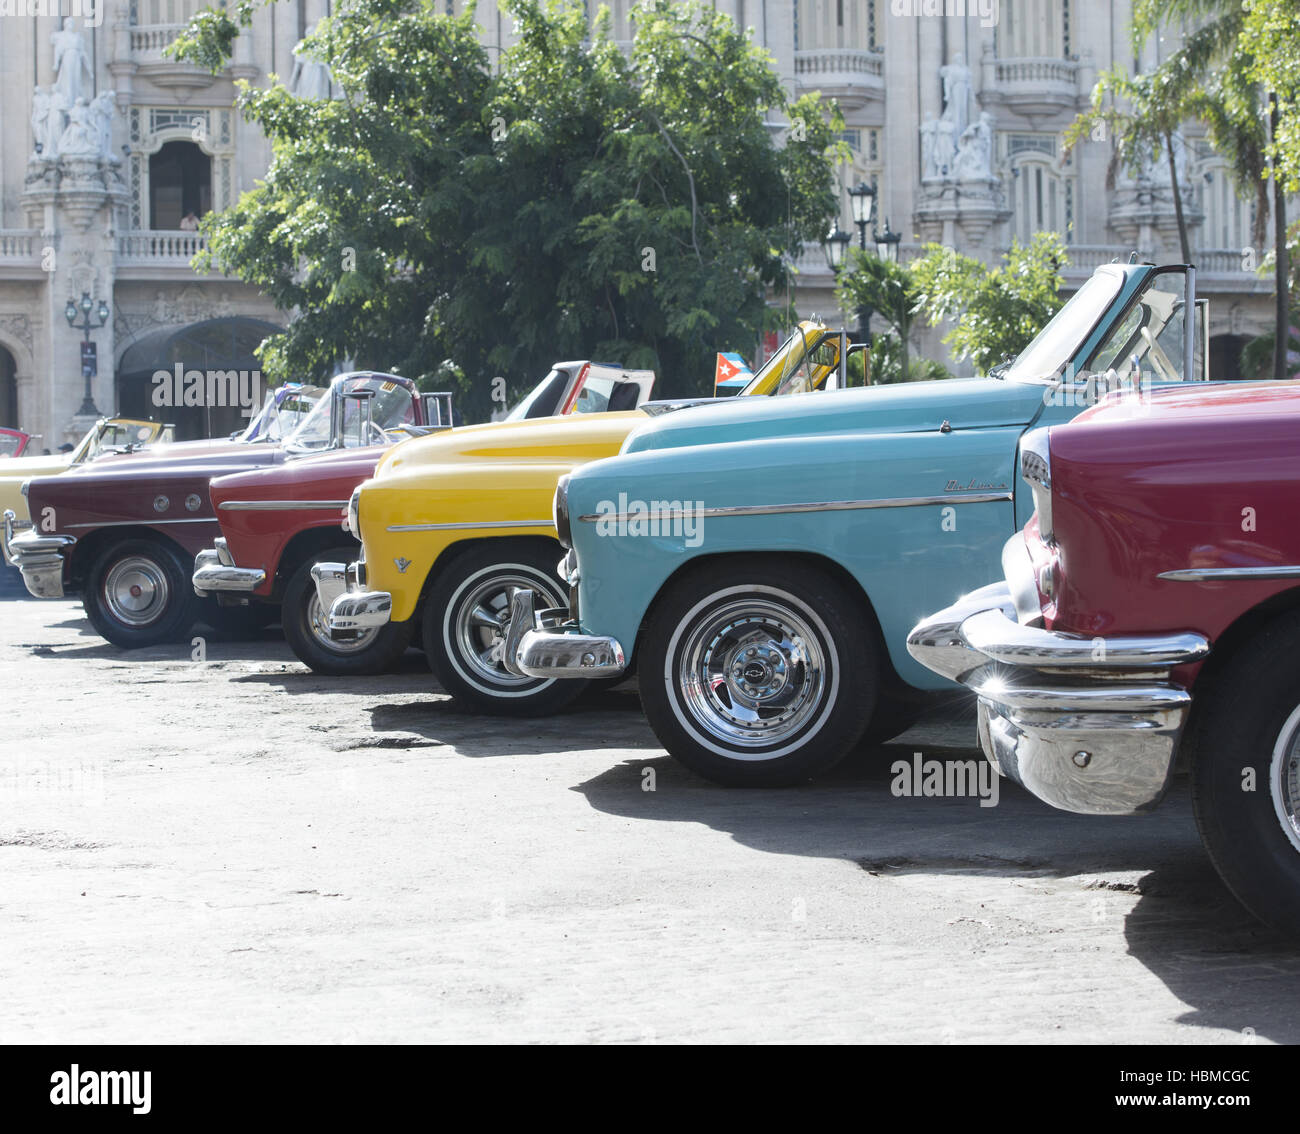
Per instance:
{"type": "Point", "coordinates": [437, 408]}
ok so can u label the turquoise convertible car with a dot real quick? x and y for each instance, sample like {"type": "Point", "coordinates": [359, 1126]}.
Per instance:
{"type": "Point", "coordinates": [761, 563]}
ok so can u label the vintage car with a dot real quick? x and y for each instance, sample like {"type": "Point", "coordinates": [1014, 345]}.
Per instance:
{"type": "Point", "coordinates": [1149, 617]}
{"type": "Point", "coordinates": [453, 526]}
{"type": "Point", "coordinates": [762, 562]}
{"type": "Point", "coordinates": [108, 435]}
{"type": "Point", "coordinates": [124, 533]}
{"type": "Point", "coordinates": [278, 523]}
{"type": "Point", "coordinates": [13, 442]}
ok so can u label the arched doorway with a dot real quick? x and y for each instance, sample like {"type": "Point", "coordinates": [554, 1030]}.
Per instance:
{"type": "Point", "coordinates": [8, 390]}
{"type": "Point", "coordinates": [180, 184]}
{"type": "Point", "coordinates": [214, 345]}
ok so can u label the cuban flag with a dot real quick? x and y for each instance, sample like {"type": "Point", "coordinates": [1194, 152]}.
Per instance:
{"type": "Point", "coordinates": [731, 374]}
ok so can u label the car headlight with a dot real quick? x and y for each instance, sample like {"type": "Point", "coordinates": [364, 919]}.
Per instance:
{"type": "Point", "coordinates": [1036, 469]}
{"type": "Point", "coordinates": [560, 512]}
{"type": "Point", "coordinates": [353, 522]}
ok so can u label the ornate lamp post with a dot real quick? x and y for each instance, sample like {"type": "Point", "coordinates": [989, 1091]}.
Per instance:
{"type": "Point", "coordinates": [887, 244]}
{"type": "Point", "coordinates": [89, 361]}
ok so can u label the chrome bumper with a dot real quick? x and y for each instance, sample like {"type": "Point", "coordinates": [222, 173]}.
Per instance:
{"type": "Point", "coordinates": [215, 572]}
{"type": "Point", "coordinates": [545, 644]}
{"type": "Point", "coordinates": [1086, 724]}
{"type": "Point", "coordinates": [39, 557]}
{"type": "Point", "coordinates": [341, 590]}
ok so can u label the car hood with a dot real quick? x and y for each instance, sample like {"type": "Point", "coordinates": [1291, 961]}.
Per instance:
{"type": "Point", "coordinates": [173, 450]}
{"type": "Point", "coordinates": [907, 407]}
{"type": "Point", "coordinates": [20, 468]}
{"type": "Point", "coordinates": [212, 462]}
{"type": "Point", "coordinates": [540, 439]}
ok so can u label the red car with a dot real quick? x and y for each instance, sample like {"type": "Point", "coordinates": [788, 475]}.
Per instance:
{"type": "Point", "coordinates": [1150, 618]}
{"type": "Point", "coordinates": [13, 442]}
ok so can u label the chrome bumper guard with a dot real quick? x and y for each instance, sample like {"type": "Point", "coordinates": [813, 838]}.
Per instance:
{"type": "Point", "coordinates": [1086, 724]}
{"type": "Point", "coordinates": [215, 572]}
{"type": "Point", "coordinates": [341, 590]}
{"type": "Point", "coordinates": [38, 556]}
{"type": "Point", "coordinates": [12, 525]}
{"type": "Point", "coordinates": [545, 643]}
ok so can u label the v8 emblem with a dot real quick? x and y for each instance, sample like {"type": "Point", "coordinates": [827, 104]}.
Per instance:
{"type": "Point", "coordinates": [402, 564]}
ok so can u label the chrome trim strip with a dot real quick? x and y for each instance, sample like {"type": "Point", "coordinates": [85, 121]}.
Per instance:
{"type": "Point", "coordinates": [147, 522]}
{"type": "Point", "coordinates": [471, 524]}
{"type": "Point", "coordinates": [821, 506]}
{"type": "Point", "coordinates": [1227, 574]}
{"type": "Point", "coordinates": [279, 505]}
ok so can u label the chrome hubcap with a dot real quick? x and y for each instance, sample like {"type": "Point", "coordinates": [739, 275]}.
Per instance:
{"type": "Point", "coordinates": [136, 591]}
{"type": "Point", "coordinates": [482, 618]}
{"type": "Point", "coordinates": [752, 673]}
{"type": "Point", "coordinates": [318, 622]}
{"type": "Point", "coordinates": [1284, 778]}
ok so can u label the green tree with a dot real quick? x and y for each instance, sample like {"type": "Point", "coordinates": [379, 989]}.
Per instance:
{"type": "Point", "coordinates": [571, 201]}
{"type": "Point", "coordinates": [889, 289]}
{"type": "Point", "coordinates": [998, 310]}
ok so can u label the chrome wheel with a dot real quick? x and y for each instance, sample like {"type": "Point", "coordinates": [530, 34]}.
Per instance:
{"type": "Point", "coordinates": [1284, 778]}
{"type": "Point", "coordinates": [135, 590]}
{"type": "Point", "coordinates": [318, 624]}
{"type": "Point", "coordinates": [752, 672]}
{"type": "Point", "coordinates": [479, 617]}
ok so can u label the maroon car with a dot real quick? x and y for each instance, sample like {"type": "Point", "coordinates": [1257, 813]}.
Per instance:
{"type": "Point", "coordinates": [124, 534]}
{"type": "Point", "coordinates": [1150, 618]}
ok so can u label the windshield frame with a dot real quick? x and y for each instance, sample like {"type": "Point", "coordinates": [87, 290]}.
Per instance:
{"type": "Point", "coordinates": [1108, 272]}
{"type": "Point", "coordinates": [325, 407]}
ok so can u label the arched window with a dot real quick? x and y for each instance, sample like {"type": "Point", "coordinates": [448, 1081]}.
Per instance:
{"type": "Point", "coordinates": [1042, 192]}
{"type": "Point", "coordinates": [180, 185]}
{"type": "Point", "coordinates": [1034, 29]}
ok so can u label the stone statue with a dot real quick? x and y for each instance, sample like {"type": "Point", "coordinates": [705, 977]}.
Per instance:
{"type": "Point", "coordinates": [102, 108]}
{"type": "Point", "coordinates": [310, 79]}
{"type": "Point", "coordinates": [56, 120]}
{"type": "Point", "coordinates": [956, 94]}
{"type": "Point", "coordinates": [41, 142]}
{"type": "Point", "coordinates": [70, 62]}
{"type": "Point", "coordinates": [945, 147]}
{"type": "Point", "coordinates": [79, 137]}
{"type": "Point", "coordinates": [975, 150]}
{"type": "Point", "coordinates": [929, 137]}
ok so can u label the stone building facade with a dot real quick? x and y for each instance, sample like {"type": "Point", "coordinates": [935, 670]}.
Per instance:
{"type": "Point", "coordinates": [954, 109]}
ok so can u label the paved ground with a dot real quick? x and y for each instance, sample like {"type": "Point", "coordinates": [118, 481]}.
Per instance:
{"type": "Point", "coordinates": [237, 851]}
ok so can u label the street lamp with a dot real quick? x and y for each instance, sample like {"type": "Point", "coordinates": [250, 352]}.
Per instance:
{"type": "Point", "coordinates": [835, 243]}
{"type": "Point", "coordinates": [89, 361]}
{"type": "Point", "coordinates": [887, 244]}
{"type": "Point", "coordinates": [862, 202]}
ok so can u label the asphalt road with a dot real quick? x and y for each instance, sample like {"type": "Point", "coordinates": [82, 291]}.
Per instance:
{"type": "Point", "coordinates": [234, 850]}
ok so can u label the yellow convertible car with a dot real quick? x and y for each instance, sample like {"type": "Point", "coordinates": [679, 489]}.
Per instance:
{"type": "Point", "coordinates": [453, 525]}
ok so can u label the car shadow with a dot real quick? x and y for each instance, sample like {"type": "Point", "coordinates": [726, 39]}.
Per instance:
{"type": "Point", "coordinates": [1185, 927]}
{"type": "Point", "coordinates": [439, 719]}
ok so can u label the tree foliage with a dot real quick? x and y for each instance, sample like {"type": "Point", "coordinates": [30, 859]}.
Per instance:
{"type": "Point", "coordinates": [997, 310]}
{"type": "Point", "coordinates": [447, 217]}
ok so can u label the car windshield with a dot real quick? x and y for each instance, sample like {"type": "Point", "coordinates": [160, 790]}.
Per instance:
{"type": "Point", "coordinates": [543, 400]}
{"type": "Point", "coordinates": [1055, 344]}
{"type": "Point", "coordinates": [281, 414]}
{"type": "Point", "coordinates": [799, 365]}
{"type": "Point", "coordinates": [391, 405]}
{"type": "Point", "coordinates": [120, 435]}
{"type": "Point", "coordinates": [9, 444]}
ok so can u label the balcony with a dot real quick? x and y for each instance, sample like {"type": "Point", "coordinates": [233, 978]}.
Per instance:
{"type": "Point", "coordinates": [1035, 88]}
{"type": "Point", "coordinates": [147, 45]}
{"type": "Point", "coordinates": [852, 77]}
{"type": "Point", "coordinates": [21, 251]}
{"type": "Point", "coordinates": [157, 253]}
